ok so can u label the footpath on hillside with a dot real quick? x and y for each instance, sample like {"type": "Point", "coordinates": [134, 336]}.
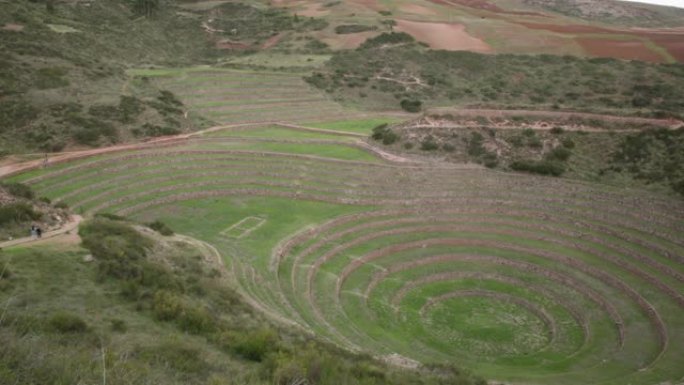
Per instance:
{"type": "Point", "coordinates": [67, 228]}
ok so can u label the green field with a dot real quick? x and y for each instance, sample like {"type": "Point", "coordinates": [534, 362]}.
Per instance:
{"type": "Point", "coordinates": [518, 278]}
{"type": "Point", "coordinates": [229, 96]}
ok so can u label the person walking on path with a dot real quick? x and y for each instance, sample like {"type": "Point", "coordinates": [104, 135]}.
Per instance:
{"type": "Point", "coordinates": [39, 232]}
{"type": "Point", "coordinates": [34, 233]}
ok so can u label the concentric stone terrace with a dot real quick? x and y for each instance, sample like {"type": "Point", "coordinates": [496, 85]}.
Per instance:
{"type": "Point", "coordinates": [518, 278]}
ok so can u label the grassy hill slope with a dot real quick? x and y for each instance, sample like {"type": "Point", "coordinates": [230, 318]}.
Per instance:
{"type": "Point", "coordinates": [156, 309]}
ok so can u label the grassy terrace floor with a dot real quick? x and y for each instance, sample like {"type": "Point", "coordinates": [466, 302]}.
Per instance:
{"type": "Point", "coordinates": [237, 96]}
{"type": "Point", "coordinates": [516, 277]}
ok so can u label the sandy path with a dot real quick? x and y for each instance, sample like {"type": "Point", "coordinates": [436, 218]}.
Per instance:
{"type": "Point", "coordinates": [51, 236]}
{"type": "Point", "coordinates": [670, 123]}
{"type": "Point", "coordinates": [13, 168]}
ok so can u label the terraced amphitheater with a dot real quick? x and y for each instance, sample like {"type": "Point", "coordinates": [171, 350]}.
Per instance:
{"type": "Point", "coordinates": [518, 278]}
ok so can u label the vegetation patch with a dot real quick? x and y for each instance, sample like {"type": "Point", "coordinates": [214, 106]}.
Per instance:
{"type": "Point", "coordinates": [391, 67]}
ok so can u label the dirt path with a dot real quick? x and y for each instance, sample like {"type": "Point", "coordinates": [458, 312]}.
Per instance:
{"type": "Point", "coordinates": [13, 168]}
{"type": "Point", "coordinates": [669, 123]}
{"type": "Point", "coordinates": [63, 233]}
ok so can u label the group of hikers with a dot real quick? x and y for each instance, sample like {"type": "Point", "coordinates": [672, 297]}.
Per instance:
{"type": "Point", "coordinates": [36, 232]}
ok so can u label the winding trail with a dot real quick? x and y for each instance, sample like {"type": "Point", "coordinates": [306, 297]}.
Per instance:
{"type": "Point", "coordinates": [66, 228]}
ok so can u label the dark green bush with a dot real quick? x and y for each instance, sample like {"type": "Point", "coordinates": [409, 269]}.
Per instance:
{"type": "Point", "coordinates": [379, 131]}
{"type": "Point", "coordinates": [110, 216]}
{"type": "Point", "coordinates": [391, 38]}
{"type": "Point", "coordinates": [161, 227]}
{"type": "Point", "coordinates": [384, 133]}
{"type": "Point", "coordinates": [559, 154]}
{"type": "Point", "coordinates": [411, 105]}
{"type": "Point", "coordinates": [67, 323]}
{"type": "Point", "coordinates": [429, 145]}
{"type": "Point", "coordinates": [568, 143]}
{"type": "Point", "coordinates": [115, 246]}
{"type": "Point", "coordinates": [353, 28]}
{"type": "Point", "coordinates": [18, 190]}
{"type": "Point", "coordinates": [255, 345]}
{"type": "Point", "coordinates": [118, 325]}
{"type": "Point", "coordinates": [539, 167]}
{"type": "Point", "coordinates": [17, 213]}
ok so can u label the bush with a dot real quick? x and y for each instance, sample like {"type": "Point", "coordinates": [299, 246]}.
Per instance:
{"type": "Point", "coordinates": [391, 38]}
{"type": "Point", "coordinates": [255, 345]}
{"type": "Point", "coordinates": [161, 228]}
{"type": "Point", "coordinates": [560, 154]}
{"type": "Point", "coordinates": [411, 105]}
{"type": "Point", "coordinates": [18, 212]}
{"type": "Point", "coordinates": [428, 145]}
{"type": "Point", "coordinates": [19, 190]}
{"type": "Point", "coordinates": [118, 325]}
{"type": "Point", "coordinates": [539, 167]}
{"type": "Point", "coordinates": [353, 28]}
{"type": "Point", "coordinates": [382, 132]}
{"type": "Point", "coordinates": [115, 246]}
{"type": "Point", "coordinates": [177, 356]}
{"type": "Point", "coordinates": [67, 323]}
{"type": "Point", "coordinates": [110, 216]}
{"type": "Point", "coordinates": [568, 143]}
{"type": "Point", "coordinates": [557, 130]}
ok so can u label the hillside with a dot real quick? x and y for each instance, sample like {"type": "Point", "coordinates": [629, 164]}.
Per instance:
{"type": "Point", "coordinates": [362, 192]}
{"type": "Point", "coordinates": [133, 306]}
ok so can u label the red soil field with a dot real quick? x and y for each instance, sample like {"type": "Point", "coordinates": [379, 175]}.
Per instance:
{"type": "Point", "coordinates": [619, 49]}
{"type": "Point", "coordinates": [446, 36]}
{"type": "Point", "coordinates": [670, 39]}
{"type": "Point", "coordinates": [484, 5]}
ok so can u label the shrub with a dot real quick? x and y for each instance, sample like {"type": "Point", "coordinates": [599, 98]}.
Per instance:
{"type": "Point", "coordinates": [475, 147]}
{"type": "Point", "coordinates": [379, 131]}
{"type": "Point", "coordinates": [255, 345]}
{"type": "Point", "coordinates": [161, 227]}
{"type": "Point", "coordinates": [539, 167]}
{"type": "Point", "coordinates": [116, 247]}
{"type": "Point", "coordinates": [67, 323]}
{"type": "Point", "coordinates": [534, 142]}
{"type": "Point", "coordinates": [568, 143]}
{"type": "Point", "coordinates": [176, 355]}
{"type": "Point", "coordinates": [559, 153]}
{"type": "Point", "coordinates": [18, 212]}
{"type": "Point", "coordinates": [110, 216]}
{"type": "Point", "coordinates": [411, 105]}
{"type": "Point", "coordinates": [428, 145]}
{"type": "Point", "coordinates": [382, 132]}
{"type": "Point", "coordinates": [19, 190]}
{"type": "Point", "coordinates": [118, 325]}
{"type": "Point", "coordinates": [557, 130]}
{"type": "Point", "coordinates": [391, 38]}
{"type": "Point", "coordinates": [166, 306]}
{"type": "Point", "coordinates": [516, 141]}
{"type": "Point", "coordinates": [353, 28]}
